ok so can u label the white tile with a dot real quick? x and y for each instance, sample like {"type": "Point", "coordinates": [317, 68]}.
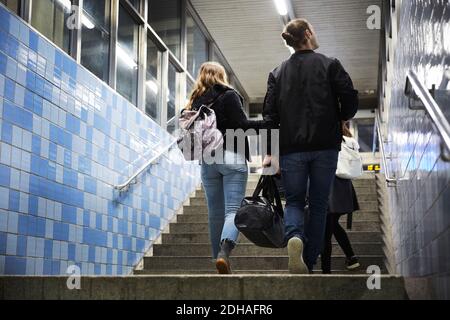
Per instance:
{"type": "Point", "coordinates": [42, 207]}
{"type": "Point", "coordinates": [26, 140]}
{"type": "Point", "coordinates": [40, 243]}
{"type": "Point", "coordinates": [5, 156]}
{"type": "Point", "coordinates": [31, 246]}
{"type": "Point", "coordinates": [25, 161]}
{"type": "Point", "coordinates": [56, 250]}
{"type": "Point", "coordinates": [24, 181]}
{"type": "Point", "coordinates": [11, 244]}
{"type": "Point", "coordinates": [31, 266]}
{"type": "Point", "coordinates": [4, 200]}
{"type": "Point", "coordinates": [49, 229]}
{"type": "Point", "coordinates": [23, 205]}
{"type": "Point", "coordinates": [16, 136]}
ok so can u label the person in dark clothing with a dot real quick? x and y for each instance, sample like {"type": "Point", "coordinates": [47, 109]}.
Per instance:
{"type": "Point", "coordinates": [224, 183]}
{"type": "Point", "coordinates": [342, 201]}
{"type": "Point", "coordinates": [308, 96]}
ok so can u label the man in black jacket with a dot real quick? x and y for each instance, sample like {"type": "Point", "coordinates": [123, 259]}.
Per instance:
{"type": "Point", "coordinates": [308, 97]}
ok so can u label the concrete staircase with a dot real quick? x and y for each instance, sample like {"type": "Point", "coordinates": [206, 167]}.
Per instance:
{"type": "Point", "coordinates": [180, 266]}
{"type": "Point", "coordinates": [185, 249]}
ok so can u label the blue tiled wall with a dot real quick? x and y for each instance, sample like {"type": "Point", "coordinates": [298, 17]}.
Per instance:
{"type": "Point", "coordinates": [66, 140]}
{"type": "Point", "coordinates": [420, 205]}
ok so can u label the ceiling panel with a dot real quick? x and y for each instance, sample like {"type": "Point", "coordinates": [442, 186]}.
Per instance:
{"type": "Point", "coordinates": [248, 34]}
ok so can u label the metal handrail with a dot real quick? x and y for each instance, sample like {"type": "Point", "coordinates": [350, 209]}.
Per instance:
{"type": "Point", "coordinates": [126, 184]}
{"type": "Point", "coordinates": [391, 180]}
{"type": "Point", "coordinates": [416, 91]}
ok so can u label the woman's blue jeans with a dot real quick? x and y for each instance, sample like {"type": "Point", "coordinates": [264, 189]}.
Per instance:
{"type": "Point", "coordinates": [224, 186]}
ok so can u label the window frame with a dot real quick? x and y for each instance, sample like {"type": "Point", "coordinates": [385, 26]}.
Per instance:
{"type": "Point", "coordinates": [147, 32]}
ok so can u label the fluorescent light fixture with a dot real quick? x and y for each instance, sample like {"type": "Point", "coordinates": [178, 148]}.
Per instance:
{"type": "Point", "coordinates": [66, 4]}
{"type": "Point", "coordinates": [281, 7]}
{"type": "Point", "coordinates": [125, 57]}
{"type": "Point", "coordinates": [87, 22]}
{"type": "Point", "coordinates": [153, 86]}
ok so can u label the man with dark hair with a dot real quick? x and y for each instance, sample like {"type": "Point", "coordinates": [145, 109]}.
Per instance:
{"type": "Point", "coordinates": [308, 96]}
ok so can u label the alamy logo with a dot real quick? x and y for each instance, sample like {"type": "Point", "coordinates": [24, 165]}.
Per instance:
{"type": "Point", "coordinates": [74, 280]}
{"type": "Point", "coordinates": [374, 20]}
{"type": "Point", "coordinates": [374, 280]}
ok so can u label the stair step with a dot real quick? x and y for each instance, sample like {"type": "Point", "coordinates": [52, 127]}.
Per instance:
{"type": "Point", "coordinates": [203, 218]}
{"type": "Point", "coordinates": [203, 237]}
{"type": "Point", "coordinates": [201, 200]}
{"type": "Point", "coordinates": [247, 263]}
{"type": "Point", "coordinates": [364, 205]}
{"type": "Point", "coordinates": [202, 287]}
{"type": "Point", "coordinates": [249, 190]}
{"type": "Point", "coordinates": [365, 225]}
{"type": "Point", "coordinates": [356, 183]}
{"type": "Point", "coordinates": [242, 272]}
{"type": "Point", "coordinates": [204, 249]}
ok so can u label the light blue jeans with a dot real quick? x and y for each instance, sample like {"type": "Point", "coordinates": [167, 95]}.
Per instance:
{"type": "Point", "coordinates": [224, 186]}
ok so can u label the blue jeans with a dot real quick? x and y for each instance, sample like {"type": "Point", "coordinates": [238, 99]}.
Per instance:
{"type": "Point", "coordinates": [224, 186]}
{"type": "Point", "coordinates": [319, 168]}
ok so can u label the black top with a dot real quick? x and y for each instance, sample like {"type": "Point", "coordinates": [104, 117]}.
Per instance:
{"type": "Point", "coordinates": [229, 112]}
{"type": "Point", "coordinates": [308, 96]}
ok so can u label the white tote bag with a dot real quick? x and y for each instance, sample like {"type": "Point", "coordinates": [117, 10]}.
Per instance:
{"type": "Point", "coordinates": [350, 162]}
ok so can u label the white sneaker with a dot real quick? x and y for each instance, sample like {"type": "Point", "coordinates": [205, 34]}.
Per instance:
{"type": "Point", "coordinates": [295, 251]}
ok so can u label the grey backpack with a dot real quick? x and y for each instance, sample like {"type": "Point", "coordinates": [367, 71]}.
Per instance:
{"type": "Point", "coordinates": [199, 132]}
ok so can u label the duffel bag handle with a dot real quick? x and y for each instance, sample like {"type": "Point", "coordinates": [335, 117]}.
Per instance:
{"type": "Point", "coordinates": [267, 185]}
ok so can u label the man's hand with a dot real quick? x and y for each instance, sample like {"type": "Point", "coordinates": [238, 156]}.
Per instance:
{"type": "Point", "coordinates": [270, 166]}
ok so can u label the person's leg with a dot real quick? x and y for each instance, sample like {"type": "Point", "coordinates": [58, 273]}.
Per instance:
{"type": "Point", "coordinates": [213, 184]}
{"type": "Point", "coordinates": [322, 172]}
{"type": "Point", "coordinates": [235, 178]}
{"type": "Point", "coordinates": [327, 249]}
{"type": "Point", "coordinates": [294, 170]}
{"type": "Point", "coordinates": [342, 238]}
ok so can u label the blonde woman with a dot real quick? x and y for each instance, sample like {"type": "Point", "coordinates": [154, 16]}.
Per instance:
{"type": "Point", "coordinates": [224, 183]}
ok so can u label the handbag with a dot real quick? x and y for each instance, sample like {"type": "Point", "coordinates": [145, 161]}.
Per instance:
{"type": "Point", "coordinates": [260, 217]}
{"type": "Point", "coordinates": [199, 132]}
{"type": "Point", "coordinates": [350, 164]}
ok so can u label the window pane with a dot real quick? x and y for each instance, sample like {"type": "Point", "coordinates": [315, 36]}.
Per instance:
{"type": "Point", "coordinates": [95, 38]}
{"type": "Point", "coordinates": [189, 88]}
{"type": "Point", "coordinates": [99, 11]}
{"type": "Point", "coordinates": [127, 56]}
{"type": "Point", "coordinates": [49, 17]}
{"type": "Point", "coordinates": [152, 84]}
{"type": "Point", "coordinates": [136, 4]}
{"type": "Point", "coordinates": [197, 47]}
{"type": "Point", "coordinates": [164, 16]}
{"type": "Point", "coordinates": [12, 5]}
{"type": "Point", "coordinates": [171, 96]}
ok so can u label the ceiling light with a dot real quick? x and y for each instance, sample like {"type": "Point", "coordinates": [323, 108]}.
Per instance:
{"type": "Point", "coordinates": [87, 22]}
{"type": "Point", "coordinates": [126, 58]}
{"type": "Point", "coordinates": [281, 7]}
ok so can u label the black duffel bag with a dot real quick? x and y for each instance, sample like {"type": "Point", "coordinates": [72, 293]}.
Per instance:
{"type": "Point", "coordinates": [260, 219]}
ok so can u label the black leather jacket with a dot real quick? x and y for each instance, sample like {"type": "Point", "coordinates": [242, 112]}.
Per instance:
{"type": "Point", "coordinates": [308, 96]}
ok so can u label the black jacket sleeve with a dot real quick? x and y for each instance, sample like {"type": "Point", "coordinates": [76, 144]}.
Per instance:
{"type": "Point", "coordinates": [343, 87]}
{"type": "Point", "coordinates": [235, 115]}
{"type": "Point", "coordinates": [270, 110]}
